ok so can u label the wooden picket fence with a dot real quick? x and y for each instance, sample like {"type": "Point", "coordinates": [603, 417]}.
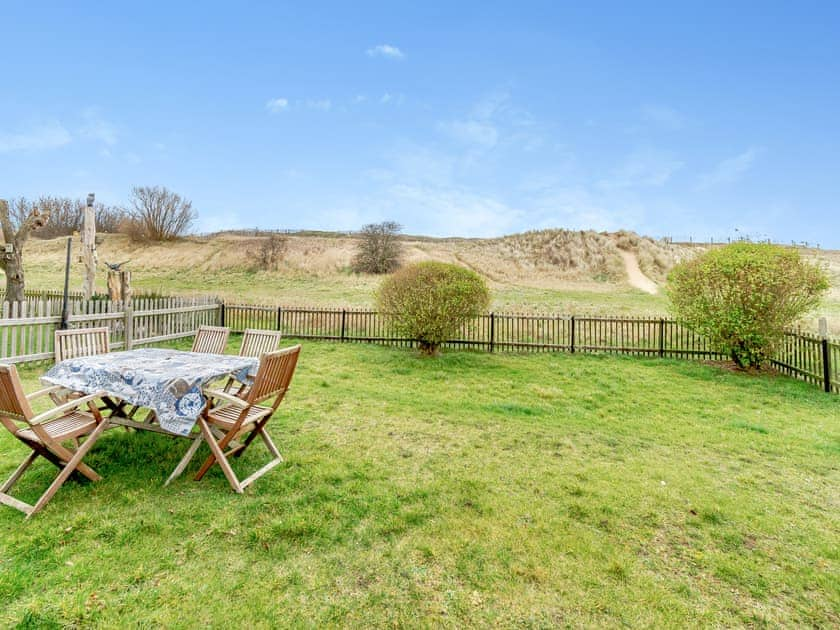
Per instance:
{"type": "Point", "coordinates": [27, 329]}
{"type": "Point", "coordinates": [801, 355]}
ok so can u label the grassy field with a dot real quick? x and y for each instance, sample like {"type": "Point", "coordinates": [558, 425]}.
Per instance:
{"type": "Point", "coordinates": [470, 490]}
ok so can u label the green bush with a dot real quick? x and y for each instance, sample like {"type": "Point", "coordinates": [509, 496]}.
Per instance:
{"type": "Point", "coordinates": [430, 301]}
{"type": "Point", "coordinates": [743, 296]}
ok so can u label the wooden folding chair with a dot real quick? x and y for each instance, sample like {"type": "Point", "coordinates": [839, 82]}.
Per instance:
{"type": "Point", "coordinates": [222, 426]}
{"type": "Point", "coordinates": [211, 339]}
{"type": "Point", "coordinates": [45, 435]}
{"type": "Point", "coordinates": [257, 342]}
{"type": "Point", "coordinates": [81, 342]}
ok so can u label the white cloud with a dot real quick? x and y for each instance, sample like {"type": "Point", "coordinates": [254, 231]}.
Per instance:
{"type": "Point", "coordinates": [277, 105]}
{"type": "Point", "coordinates": [643, 168]}
{"type": "Point", "coordinates": [97, 128]}
{"type": "Point", "coordinates": [323, 105]}
{"type": "Point", "coordinates": [50, 135]}
{"type": "Point", "coordinates": [394, 99]}
{"type": "Point", "coordinates": [663, 116]}
{"type": "Point", "coordinates": [385, 50]}
{"type": "Point", "coordinates": [730, 170]}
{"type": "Point", "coordinates": [472, 132]}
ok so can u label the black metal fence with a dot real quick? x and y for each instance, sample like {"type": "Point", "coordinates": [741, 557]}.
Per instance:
{"type": "Point", "coordinates": [801, 355]}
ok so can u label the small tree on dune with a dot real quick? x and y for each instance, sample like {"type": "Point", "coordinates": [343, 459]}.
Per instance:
{"type": "Point", "coordinates": [431, 301]}
{"type": "Point", "coordinates": [379, 249]}
{"type": "Point", "coordinates": [743, 296]}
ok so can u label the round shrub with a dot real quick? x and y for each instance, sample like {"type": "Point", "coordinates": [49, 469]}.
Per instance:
{"type": "Point", "coordinates": [743, 296]}
{"type": "Point", "coordinates": [431, 301]}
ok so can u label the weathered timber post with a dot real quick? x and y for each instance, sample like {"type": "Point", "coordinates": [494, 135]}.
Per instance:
{"type": "Point", "coordinates": [89, 256]}
{"type": "Point", "coordinates": [492, 331]}
{"type": "Point", "coordinates": [128, 312]}
{"type": "Point", "coordinates": [572, 335]}
{"type": "Point", "coordinates": [662, 337]}
{"type": "Point", "coordinates": [826, 355]}
{"type": "Point", "coordinates": [343, 322]}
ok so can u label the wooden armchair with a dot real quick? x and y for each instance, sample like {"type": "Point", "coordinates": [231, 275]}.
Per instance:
{"type": "Point", "coordinates": [256, 342]}
{"type": "Point", "coordinates": [46, 434]}
{"type": "Point", "coordinates": [81, 342]}
{"type": "Point", "coordinates": [234, 417]}
{"type": "Point", "coordinates": [211, 339]}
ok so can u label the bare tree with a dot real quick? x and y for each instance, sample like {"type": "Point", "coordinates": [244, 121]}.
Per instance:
{"type": "Point", "coordinates": [17, 224]}
{"type": "Point", "coordinates": [379, 249]}
{"type": "Point", "coordinates": [66, 215]}
{"type": "Point", "coordinates": [158, 214]}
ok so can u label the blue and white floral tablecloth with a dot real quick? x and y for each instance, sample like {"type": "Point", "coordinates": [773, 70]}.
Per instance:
{"type": "Point", "coordinates": [167, 381]}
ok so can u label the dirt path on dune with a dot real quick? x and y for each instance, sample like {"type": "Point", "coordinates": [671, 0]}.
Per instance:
{"type": "Point", "coordinates": [634, 274]}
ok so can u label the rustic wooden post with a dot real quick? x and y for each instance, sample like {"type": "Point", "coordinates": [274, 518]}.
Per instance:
{"type": "Point", "coordinates": [826, 361]}
{"type": "Point", "coordinates": [89, 248]}
{"type": "Point", "coordinates": [572, 335]}
{"type": "Point", "coordinates": [492, 331]}
{"type": "Point", "coordinates": [826, 355]}
{"type": "Point", "coordinates": [343, 322]}
{"type": "Point", "coordinates": [128, 314]}
{"type": "Point", "coordinates": [279, 317]}
{"type": "Point", "coordinates": [222, 314]}
{"type": "Point", "coordinates": [662, 337]}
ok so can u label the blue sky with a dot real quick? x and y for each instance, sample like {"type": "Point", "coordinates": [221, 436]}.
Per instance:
{"type": "Point", "coordinates": [479, 119]}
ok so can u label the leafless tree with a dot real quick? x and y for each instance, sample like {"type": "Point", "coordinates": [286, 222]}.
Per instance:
{"type": "Point", "coordinates": [379, 249]}
{"type": "Point", "coordinates": [17, 224]}
{"type": "Point", "coordinates": [67, 214]}
{"type": "Point", "coordinates": [158, 214]}
{"type": "Point", "coordinates": [272, 252]}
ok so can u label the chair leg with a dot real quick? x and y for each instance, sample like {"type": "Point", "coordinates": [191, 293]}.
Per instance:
{"type": "Point", "coordinates": [185, 460]}
{"type": "Point", "coordinates": [217, 455]}
{"type": "Point", "coordinates": [68, 469]}
{"type": "Point", "coordinates": [11, 481]}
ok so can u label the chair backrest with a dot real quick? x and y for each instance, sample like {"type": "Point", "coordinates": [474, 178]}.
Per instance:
{"type": "Point", "coordinates": [13, 402]}
{"type": "Point", "coordinates": [81, 342]}
{"type": "Point", "coordinates": [211, 339]}
{"type": "Point", "coordinates": [274, 375]}
{"type": "Point", "coordinates": [256, 342]}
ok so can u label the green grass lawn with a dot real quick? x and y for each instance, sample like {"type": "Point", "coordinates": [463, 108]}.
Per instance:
{"type": "Point", "coordinates": [468, 490]}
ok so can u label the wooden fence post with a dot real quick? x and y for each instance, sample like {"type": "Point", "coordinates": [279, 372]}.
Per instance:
{"type": "Point", "coordinates": [279, 317]}
{"type": "Point", "coordinates": [492, 332]}
{"type": "Point", "coordinates": [128, 313]}
{"type": "Point", "coordinates": [343, 322]}
{"type": "Point", "coordinates": [661, 337]}
{"type": "Point", "coordinates": [222, 314]}
{"type": "Point", "coordinates": [826, 361]}
{"type": "Point", "coordinates": [572, 335]}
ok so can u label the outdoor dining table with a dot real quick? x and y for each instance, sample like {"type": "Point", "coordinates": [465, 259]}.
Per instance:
{"type": "Point", "coordinates": [169, 382]}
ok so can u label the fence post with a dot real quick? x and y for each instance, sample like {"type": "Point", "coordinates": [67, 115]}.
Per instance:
{"type": "Point", "coordinates": [128, 313]}
{"type": "Point", "coordinates": [662, 337]}
{"type": "Point", "coordinates": [572, 335]}
{"type": "Point", "coordinates": [279, 316]}
{"type": "Point", "coordinates": [492, 331]}
{"type": "Point", "coordinates": [343, 322]}
{"type": "Point", "coordinates": [826, 358]}
{"type": "Point", "coordinates": [222, 314]}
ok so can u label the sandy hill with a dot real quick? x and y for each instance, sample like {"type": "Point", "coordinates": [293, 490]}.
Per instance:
{"type": "Point", "coordinates": [542, 258]}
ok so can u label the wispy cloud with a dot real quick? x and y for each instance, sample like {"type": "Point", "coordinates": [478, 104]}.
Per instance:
{"type": "Point", "coordinates": [97, 128]}
{"type": "Point", "coordinates": [472, 132]}
{"type": "Point", "coordinates": [730, 170]}
{"type": "Point", "coordinates": [385, 50]}
{"type": "Point", "coordinates": [277, 105]}
{"type": "Point", "coordinates": [663, 116]}
{"type": "Point", "coordinates": [643, 168]}
{"type": "Point", "coordinates": [50, 135]}
{"type": "Point", "coordinates": [322, 105]}
{"type": "Point", "coordinates": [392, 99]}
